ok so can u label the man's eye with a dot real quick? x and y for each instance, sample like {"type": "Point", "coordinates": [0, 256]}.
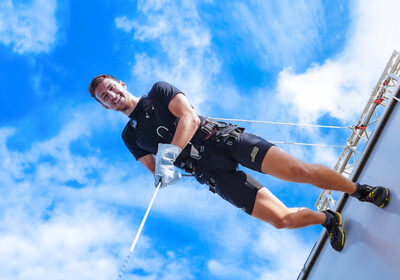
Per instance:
{"type": "Point", "coordinates": [105, 97]}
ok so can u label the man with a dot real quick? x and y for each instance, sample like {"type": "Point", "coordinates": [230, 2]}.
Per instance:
{"type": "Point", "coordinates": [163, 124]}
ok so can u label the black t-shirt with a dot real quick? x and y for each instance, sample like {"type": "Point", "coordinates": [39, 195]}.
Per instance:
{"type": "Point", "coordinates": [140, 133]}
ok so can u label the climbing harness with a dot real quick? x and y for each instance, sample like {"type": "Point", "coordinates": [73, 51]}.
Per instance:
{"type": "Point", "coordinates": [208, 145]}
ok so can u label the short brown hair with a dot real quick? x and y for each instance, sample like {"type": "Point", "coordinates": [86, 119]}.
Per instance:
{"type": "Point", "coordinates": [97, 80]}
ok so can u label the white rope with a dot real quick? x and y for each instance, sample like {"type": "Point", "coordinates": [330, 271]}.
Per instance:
{"type": "Point", "coordinates": [306, 144]}
{"type": "Point", "coordinates": [279, 123]}
{"type": "Point", "coordinates": [123, 268]}
{"type": "Point", "coordinates": [294, 124]}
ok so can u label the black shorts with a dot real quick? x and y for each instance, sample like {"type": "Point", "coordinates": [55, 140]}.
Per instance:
{"type": "Point", "coordinates": [249, 150]}
{"type": "Point", "coordinates": [238, 187]}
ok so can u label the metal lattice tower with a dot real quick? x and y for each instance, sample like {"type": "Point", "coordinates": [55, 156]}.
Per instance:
{"type": "Point", "coordinates": [365, 126]}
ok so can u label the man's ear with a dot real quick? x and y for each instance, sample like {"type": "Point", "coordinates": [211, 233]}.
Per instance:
{"type": "Point", "coordinates": [105, 106]}
{"type": "Point", "coordinates": [122, 83]}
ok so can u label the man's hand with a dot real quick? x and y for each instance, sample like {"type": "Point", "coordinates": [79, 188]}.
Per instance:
{"type": "Point", "coordinates": [165, 169]}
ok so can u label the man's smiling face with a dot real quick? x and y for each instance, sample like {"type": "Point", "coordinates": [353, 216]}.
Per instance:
{"type": "Point", "coordinates": [113, 95]}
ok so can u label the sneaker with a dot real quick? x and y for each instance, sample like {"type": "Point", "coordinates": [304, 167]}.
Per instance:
{"type": "Point", "coordinates": [376, 195]}
{"type": "Point", "coordinates": [334, 228]}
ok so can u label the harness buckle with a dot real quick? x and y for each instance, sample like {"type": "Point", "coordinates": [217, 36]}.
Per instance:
{"type": "Point", "coordinates": [234, 135]}
{"type": "Point", "coordinates": [207, 128]}
{"type": "Point", "coordinates": [194, 153]}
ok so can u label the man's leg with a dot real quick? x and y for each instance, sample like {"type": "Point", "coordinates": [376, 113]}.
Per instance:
{"type": "Point", "coordinates": [258, 154]}
{"type": "Point", "coordinates": [270, 209]}
{"type": "Point", "coordinates": [281, 165]}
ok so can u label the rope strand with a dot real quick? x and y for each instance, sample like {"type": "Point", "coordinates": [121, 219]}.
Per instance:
{"type": "Point", "coordinates": [279, 123]}
{"type": "Point", "coordinates": [292, 124]}
{"type": "Point", "coordinates": [306, 144]}
{"type": "Point", "coordinates": [123, 268]}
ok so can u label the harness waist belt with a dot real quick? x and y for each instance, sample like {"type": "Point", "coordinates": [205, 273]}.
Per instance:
{"type": "Point", "coordinates": [207, 128]}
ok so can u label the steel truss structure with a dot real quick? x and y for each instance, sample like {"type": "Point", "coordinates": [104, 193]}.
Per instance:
{"type": "Point", "coordinates": [365, 126]}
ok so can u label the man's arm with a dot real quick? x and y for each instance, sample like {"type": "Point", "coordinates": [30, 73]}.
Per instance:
{"type": "Point", "coordinates": [188, 122]}
{"type": "Point", "coordinates": [148, 162]}
{"type": "Point", "coordinates": [187, 126]}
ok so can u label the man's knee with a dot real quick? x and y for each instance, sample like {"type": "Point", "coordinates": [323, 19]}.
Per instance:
{"type": "Point", "coordinates": [300, 171]}
{"type": "Point", "coordinates": [282, 222]}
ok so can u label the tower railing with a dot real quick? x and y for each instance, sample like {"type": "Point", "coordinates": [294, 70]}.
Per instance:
{"type": "Point", "coordinates": [363, 129]}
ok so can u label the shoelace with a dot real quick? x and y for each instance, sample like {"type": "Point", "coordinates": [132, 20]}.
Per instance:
{"type": "Point", "coordinates": [372, 194]}
{"type": "Point", "coordinates": [366, 191]}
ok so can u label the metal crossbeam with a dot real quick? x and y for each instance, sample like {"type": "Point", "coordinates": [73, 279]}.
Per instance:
{"type": "Point", "coordinates": [382, 92]}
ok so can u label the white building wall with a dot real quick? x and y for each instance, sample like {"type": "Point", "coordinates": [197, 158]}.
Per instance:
{"type": "Point", "coordinates": [372, 248]}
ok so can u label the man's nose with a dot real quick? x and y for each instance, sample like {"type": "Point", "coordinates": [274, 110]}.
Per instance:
{"type": "Point", "coordinates": [112, 95]}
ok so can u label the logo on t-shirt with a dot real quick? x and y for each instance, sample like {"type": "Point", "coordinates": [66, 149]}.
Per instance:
{"type": "Point", "coordinates": [254, 153]}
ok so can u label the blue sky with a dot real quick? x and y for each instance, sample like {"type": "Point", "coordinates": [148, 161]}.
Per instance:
{"type": "Point", "coordinates": [72, 195]}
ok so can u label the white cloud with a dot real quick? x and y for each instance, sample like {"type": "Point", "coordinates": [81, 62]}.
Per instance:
{"type": "Point", "coordinates": [342, 85]}
{"type": "Point", "coordinates": [28, 28]}
{"type": "Point", "coordinates": [285, 251]}
{"type": "Point", "coordinates": [184, 55]}
{"type": "Point", "coordinates": [283, 33]}
{"type": "Point", "coordinates": [228, 271]}
{"type": "Point", "coordinates": [276, 255]}
{"type": "Point", "coordinates": [43, 234]}
{"type": "Point", "coordinates": [124, 23]}
{"type": "Point", "coordinates": [67, 246]}
{"type": "Point", "coordinates": [339, 87]}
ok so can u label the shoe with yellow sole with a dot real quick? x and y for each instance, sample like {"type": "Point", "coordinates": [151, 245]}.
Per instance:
{"type": "Point", "coordinates": [333, 225]}
{"type": "Point", "coordinates": [375, 195]}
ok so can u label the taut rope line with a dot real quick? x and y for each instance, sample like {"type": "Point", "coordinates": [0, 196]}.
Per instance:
{"type": "Point", "coordinates": [280, 123]}
{"type": "Point", "coordinates": [123, 268]}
